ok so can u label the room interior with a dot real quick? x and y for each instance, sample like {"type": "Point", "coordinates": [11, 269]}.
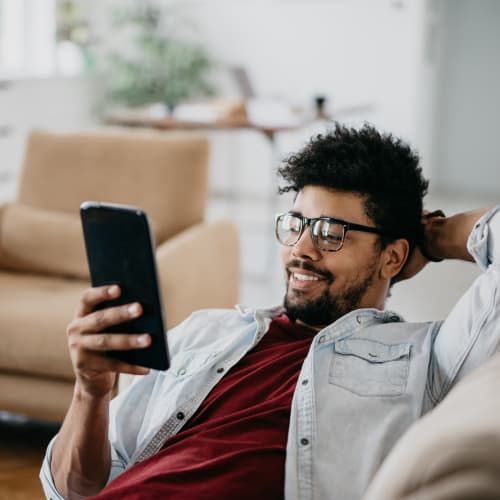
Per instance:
{"type": "Point", "coordinates": [280, 72]}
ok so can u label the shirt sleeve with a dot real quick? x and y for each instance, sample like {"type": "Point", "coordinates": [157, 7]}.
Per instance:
{"type": "Point", "coordinates": [471, 332]}
{"type": "Point", "coordinates": [48, 485]}
{"type": "Point", "coordinates": [484, 241]}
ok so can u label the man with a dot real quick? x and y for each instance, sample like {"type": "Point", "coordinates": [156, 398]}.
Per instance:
{"type": "Point", "coordinates": [301, 401]}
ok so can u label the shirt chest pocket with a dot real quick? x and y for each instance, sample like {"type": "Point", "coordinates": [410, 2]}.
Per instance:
{"type": "Point", "coordinates": [369, 368]}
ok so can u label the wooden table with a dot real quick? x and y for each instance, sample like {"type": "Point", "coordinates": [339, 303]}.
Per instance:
{"type": "Point", "coordinates": [226, 124]}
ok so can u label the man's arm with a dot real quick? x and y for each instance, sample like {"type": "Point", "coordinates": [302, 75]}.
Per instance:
{"type": "Point", "coordinates": [447, 237]}
{"type": "Point", "coordinates": [471, 332]}
{"type": "Point", "coordinates": [81, 456]}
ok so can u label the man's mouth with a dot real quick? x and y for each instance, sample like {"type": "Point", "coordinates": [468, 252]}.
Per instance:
{"type": "Point", "coordinates": [305, 279]}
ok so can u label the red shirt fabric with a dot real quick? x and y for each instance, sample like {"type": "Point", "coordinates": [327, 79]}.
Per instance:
{"type": "Point", "coordinates": [234, 446]}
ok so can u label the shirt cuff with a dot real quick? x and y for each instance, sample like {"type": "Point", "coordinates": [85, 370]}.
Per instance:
{"type": "Point", "coordinates": [484, 241]}
{"type": "Point", "coordinates": [48, 484]}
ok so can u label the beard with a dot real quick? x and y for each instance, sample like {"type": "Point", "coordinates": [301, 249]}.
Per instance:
{"type": "Point", "coordinates": [327, 308]}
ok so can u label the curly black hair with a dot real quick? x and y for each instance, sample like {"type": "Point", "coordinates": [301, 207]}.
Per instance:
{"type": "Point", "coordinates": [378, 166]}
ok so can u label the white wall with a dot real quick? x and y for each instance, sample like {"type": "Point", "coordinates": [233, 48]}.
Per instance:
{"type": "Point", "coordinates": [356, 52]}
{"type": "Point", "coordinates": [467, 149]}
{"type": "Point", "coordinates": [364, 54]}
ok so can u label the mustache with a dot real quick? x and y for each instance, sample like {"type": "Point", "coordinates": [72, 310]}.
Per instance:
{"type": "Point", "coordinates": [307, 266]}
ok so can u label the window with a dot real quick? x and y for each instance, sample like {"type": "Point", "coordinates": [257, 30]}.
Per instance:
{"type": "Point", "coordinates": [43, 37]}
{"type": "Point", "coordinates": [27, 38]}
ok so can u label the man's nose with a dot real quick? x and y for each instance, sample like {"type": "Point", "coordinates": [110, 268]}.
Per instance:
{"type": "Point", "coordinates": [305, 247]}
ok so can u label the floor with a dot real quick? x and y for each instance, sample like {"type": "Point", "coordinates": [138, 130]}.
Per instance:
{"type": "Point", "coordinates": [22, 448]}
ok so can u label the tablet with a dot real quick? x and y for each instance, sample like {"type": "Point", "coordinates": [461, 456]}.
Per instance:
{"type": "Point", "coordinates": [120, 250]}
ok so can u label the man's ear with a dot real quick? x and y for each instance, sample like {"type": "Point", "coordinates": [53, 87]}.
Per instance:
{"type": "Point", "coordinates": [394, 257]}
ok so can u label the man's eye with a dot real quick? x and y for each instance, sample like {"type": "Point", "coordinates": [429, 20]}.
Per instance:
{"type": "Point", "coordinates": [333, 237]}
{"type": "Point", "coordinates": [291, 225]}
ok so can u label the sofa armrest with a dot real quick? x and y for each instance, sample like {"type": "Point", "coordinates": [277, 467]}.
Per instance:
{"type": "Point", "coordinates": [37, 240]}
{"type": "Point", "coordinates": [199, 268]}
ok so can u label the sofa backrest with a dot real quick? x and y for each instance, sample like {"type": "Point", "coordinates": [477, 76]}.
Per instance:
{"type": "Point", "coordinates": [163, 173]}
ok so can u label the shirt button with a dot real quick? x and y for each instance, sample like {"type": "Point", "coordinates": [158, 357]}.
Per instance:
{"type": "Point", "coordinates": [304, 441]}
{"type": "Point", "coordinates": [322, 339]}
{"type": "Point", "coordinates": [305, 382]}
{"type": "Point", "coordinates": [220, 370]}
{"type": "Point", "coordinates": [182, 371]}
{"type": "Point", "coordinates": [359, 318]}
{"type": "Point", "coordinates": [180, 416]}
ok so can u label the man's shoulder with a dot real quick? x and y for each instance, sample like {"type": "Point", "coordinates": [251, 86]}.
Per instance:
{"type": "Point", "coordinates": [387, 325]}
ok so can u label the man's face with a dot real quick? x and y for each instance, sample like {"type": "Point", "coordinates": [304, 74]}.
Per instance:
{"type": "Point", "coordinates": [322, 286]}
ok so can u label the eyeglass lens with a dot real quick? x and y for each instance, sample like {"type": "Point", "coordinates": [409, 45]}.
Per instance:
{"type": "Point", "coordinates": [326, 235]}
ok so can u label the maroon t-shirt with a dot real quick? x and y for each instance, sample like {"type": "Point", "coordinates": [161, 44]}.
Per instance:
{"type": "Point", "coordinates": [234, 446]}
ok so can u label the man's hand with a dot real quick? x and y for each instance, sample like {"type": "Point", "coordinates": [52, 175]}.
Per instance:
{"type": "Point", "coordinates": [442, 238]}
{"type": "Point", "coordinates": [423, 252]}
{"type": "Point", "coordinates": [95, 371]}
{"type": "Point", "coordinates": [81, 456]}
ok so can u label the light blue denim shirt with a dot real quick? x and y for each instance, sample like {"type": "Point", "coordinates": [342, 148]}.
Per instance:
{"type": "Point", "coordinates": [366, 379]}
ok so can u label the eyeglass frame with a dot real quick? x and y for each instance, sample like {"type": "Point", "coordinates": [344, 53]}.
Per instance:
{"type": "Point", "coordinates": [310, 221]}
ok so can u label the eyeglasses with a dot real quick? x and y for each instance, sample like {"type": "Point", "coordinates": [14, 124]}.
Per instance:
{"type": "Point", "coordinates": [327, 233]}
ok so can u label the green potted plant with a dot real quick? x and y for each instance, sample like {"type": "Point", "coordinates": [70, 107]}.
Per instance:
{"type": "Point", "coordinates": [145, 61]}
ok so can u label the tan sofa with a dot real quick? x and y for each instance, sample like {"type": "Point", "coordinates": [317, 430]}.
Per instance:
{"type": "Point", "coordinates": [453, 453]}
{"type": "Point", "coordinates": [43, 267]}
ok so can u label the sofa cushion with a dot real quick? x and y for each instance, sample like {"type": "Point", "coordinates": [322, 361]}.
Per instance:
{"type": "Point", "coordinates": [453, 453]}
{"type": "Point", "coordinates": [34, 313]}
{"type": "Point", "coordinates": [45, 241]}
{"type": "Point", "coordinates": [164, 173]}
{"type": "Point", "coordinates": [37, 397]}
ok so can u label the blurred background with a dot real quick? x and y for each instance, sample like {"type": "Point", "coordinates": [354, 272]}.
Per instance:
{"type": "Point", "coordinates": [426, 70]}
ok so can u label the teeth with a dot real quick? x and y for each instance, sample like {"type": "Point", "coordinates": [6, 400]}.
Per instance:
{"type": "Point", "coordinates": [304, 277]}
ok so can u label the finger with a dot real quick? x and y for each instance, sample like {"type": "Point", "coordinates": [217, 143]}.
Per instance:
{"type": "Point", "coordinates": [100, 320]}
{"type": "Point", "coordinates": [114, 341]}
{"type": "Point", "coordinates": [132, 369]}
{"type": "Point", "coordinates": [437, 213]}
{"type": "Point", "coordinates": [100, 363]}
{"type": "Point", "coordinates": [426, 214]}
{"type": "Point", "coordinates": [94, 296]}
